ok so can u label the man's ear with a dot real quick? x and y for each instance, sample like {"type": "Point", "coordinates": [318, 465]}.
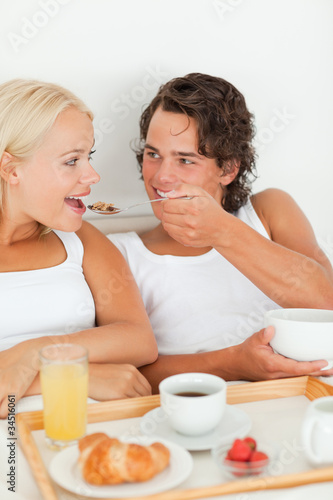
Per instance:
{"type": "Point", "coordinates": [231, 172]}
{"type": "Point", "coordinates": [8, 168]}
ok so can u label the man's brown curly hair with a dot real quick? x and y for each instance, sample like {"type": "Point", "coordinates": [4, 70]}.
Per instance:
{"type": "Point", "coordinates": [225, 127]}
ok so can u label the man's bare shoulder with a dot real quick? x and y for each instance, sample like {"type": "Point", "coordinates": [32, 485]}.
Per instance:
{"type": "Point", "coordinates": [270, 196]}
{"type": "Point", "coordinates": [273, 206]}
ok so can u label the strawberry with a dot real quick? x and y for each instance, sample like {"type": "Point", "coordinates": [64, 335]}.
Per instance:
{"type": "Point", "coordinates": [240, 451]}
{"type": "Point", "coordinates": [257, 462]}
{"type": "Point", "coordinates": [258, 456]}
{"type": "Point", "coordinates": [251, 442]}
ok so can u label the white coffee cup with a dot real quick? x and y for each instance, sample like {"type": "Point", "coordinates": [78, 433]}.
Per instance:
{"type": "Point", "coordinates": [194, 402]}
{"type": "Point", "coordinates": [317, 431]}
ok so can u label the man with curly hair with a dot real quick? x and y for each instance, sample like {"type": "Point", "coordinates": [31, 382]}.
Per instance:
{"type": "Point", "coordinates": [219, 260]}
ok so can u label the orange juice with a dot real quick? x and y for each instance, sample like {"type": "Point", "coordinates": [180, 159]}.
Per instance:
{"type": "Point", "coordinates": [65, 392]}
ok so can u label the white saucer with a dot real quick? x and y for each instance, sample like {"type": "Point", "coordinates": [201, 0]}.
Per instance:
{"type": "Point", "coordinates": [235, 423]}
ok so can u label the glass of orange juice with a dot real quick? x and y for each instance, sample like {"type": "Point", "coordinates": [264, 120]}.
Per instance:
{"type": "Point", "coordinates": [64, 382]}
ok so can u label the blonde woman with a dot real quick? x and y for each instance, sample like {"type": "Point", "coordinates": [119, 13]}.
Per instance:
{"type": "Point", "coordinates": [60, 279]}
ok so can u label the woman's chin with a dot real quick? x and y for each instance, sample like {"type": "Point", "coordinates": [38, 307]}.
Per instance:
{"type": "Point", "coordinates": [68, 226]}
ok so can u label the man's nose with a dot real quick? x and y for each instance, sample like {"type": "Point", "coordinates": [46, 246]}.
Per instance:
{"type": "Point", "coordinates": [166, 171]}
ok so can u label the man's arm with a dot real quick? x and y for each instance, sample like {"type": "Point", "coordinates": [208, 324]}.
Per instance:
{"type": "Point", "coordinates": [252, 360]}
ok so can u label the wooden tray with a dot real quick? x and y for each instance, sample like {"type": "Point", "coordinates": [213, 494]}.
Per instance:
{"type": "Point", "coordinates": [310, 387]}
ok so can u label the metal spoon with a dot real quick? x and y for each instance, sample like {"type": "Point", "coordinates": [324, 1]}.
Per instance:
{"type": "Point", "coordinates": [116, 210]}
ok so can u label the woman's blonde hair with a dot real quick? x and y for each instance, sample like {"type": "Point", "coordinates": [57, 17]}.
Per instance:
{"type": "Point", "coordinates": [28, 109]}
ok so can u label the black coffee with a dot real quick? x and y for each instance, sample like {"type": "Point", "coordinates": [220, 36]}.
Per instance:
{"type": "Point", "coordinates": [191, 394]}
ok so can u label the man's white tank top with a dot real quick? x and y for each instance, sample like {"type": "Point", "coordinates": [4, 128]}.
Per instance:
{"type": "Point", "coordinates": [196, 304]}
{"type": "Point", "coordinates": [51, 301]}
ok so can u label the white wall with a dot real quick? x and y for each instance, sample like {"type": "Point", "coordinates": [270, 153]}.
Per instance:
{"type": "Point", "coordinates": [115, 54]}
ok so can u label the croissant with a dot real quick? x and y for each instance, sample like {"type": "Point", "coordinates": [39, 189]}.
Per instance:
{"type": "Point", "coordinates": [104, 460]}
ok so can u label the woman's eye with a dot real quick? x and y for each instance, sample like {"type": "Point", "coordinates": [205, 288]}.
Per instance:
{"type": "Point", "coordinates": [72, 162]}
{"type": "Point", "coordinates": [91, 153]}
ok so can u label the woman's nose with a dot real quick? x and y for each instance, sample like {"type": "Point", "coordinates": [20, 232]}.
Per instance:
{"type": "Point", "coordinates": [90, 176]}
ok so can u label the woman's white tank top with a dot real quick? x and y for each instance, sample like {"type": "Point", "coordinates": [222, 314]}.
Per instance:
{"type": "Point", "coordinates": [51, 301]}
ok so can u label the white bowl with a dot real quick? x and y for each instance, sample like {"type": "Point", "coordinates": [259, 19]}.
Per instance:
{"type": "Point", "coordinates": [302, 334]}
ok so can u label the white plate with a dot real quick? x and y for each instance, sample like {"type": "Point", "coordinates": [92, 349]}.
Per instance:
{"type": "Point", "coordinates": [234, 423]}
{"type": "Point", "coordinates": [65, 471]}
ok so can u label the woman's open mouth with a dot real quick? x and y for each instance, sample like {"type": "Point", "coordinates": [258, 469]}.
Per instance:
{"type": "Point", "coordinates": [76, 204]}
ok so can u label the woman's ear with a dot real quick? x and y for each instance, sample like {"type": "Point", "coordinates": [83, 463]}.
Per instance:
{"type": "Point", "coordinates": [231, 172]}
{"type": "Point", "coordinates": [8, 168]}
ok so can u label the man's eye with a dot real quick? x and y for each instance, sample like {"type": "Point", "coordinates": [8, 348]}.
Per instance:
{"type": "Point", "coordinates": [185, 161]}
{"type": "Point", "coordinates": [151, 154]}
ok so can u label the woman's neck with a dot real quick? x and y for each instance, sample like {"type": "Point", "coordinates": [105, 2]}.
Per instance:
{"type": "Point", "coordinates": [11, 233]}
